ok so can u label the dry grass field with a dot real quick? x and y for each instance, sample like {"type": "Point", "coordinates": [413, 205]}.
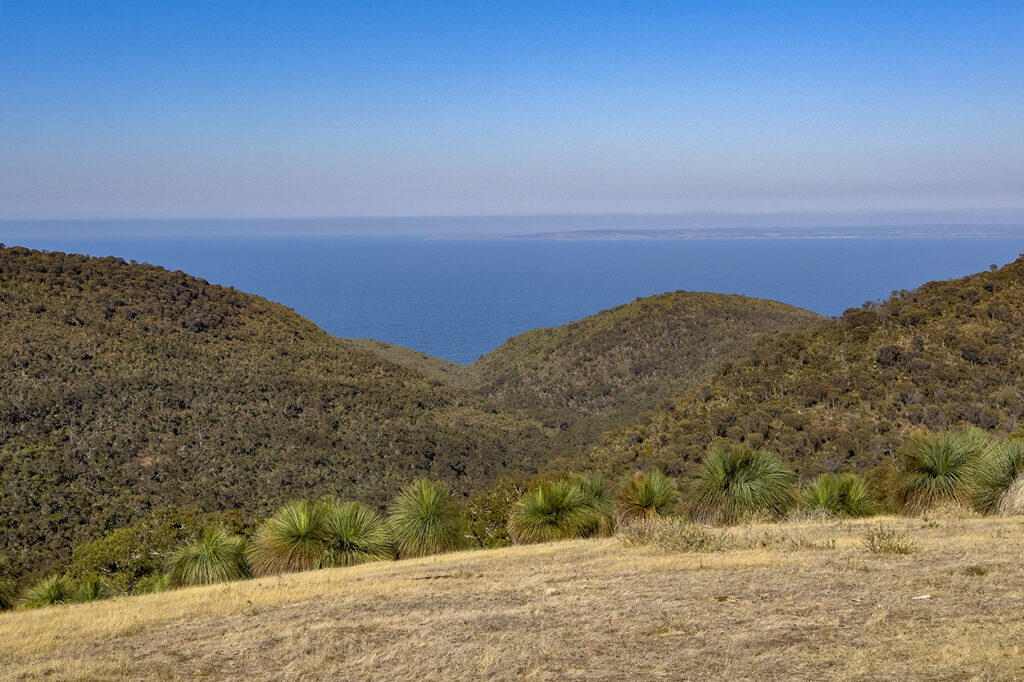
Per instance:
{"type": "Point", "coordinates": [800, 600]}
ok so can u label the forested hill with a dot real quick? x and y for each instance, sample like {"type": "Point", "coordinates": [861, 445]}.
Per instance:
{"type": "Point", "coordinates": [620, 362]}
{"type": "Point", "coordinates": [842, 395]}
{"type": "Point", "coordinates": [127, 387]}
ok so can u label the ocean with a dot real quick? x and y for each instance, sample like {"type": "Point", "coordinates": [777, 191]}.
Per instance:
{"type": "Point", "coordinates": [459, 299]}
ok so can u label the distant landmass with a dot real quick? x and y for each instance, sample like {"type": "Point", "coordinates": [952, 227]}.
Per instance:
{"type": "Point", "coordinates": [851, 232]}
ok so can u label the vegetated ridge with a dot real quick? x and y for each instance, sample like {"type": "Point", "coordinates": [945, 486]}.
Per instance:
{"type": "Point", "coordinates": [610, 367]}
{"type": "Point", "coordinates": [430, 366]}
{"type": "Point", "coordinates": [127, 387]}
{"type": "Point", "coordinates": [843, 394]}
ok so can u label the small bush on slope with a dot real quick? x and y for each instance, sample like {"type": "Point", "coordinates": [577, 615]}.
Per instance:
{"type": "Point", "coordinates": [645, 496]}
{"type": "Point", "coordinates": [740, 482]}
{"type": "Point", "coordinates": [883, 539]}
{"type": "Point", "coordinates": [425, 519]}
{"type": "Point", "coordinates": [215, 556]}
{"type": "Point", "coordinates": [939, 468]}
{"type": "Point", "coordinates": [139, 552]}
{"type": "Point", "coordinates": [7, 593]}
{"type": "Point", "coordinates": [839, 495]}
{"type": "Point", "coordinates": [673, 535]}
{"type": "Point", "coordinates": [487, 513]}
{"type": "Point", "coordinates": [50, 591]}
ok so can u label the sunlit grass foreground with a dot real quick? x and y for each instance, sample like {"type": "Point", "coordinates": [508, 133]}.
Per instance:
{"type": "Point", "coordinates": [821, 599]}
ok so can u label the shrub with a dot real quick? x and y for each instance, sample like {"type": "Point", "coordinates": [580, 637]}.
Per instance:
{"type": "Point", "coordinates": [8, 593]}
{"type": "Point", "coordinates": [92, 588]}
{"type": "Point", "coordinates": [598, 500]}
{"type": "Point", "coordinates": [50, 591]}
{"type": "Point", "coordinates": [740, 482]}
{"type": "Point", "coordinates": [353, 534]}
{"type": "Point", "coordinates": [998, 486]}
{"type": "Point", "coordinates": [425, 519]}
{"type": "Point", "coordinates": [884, 539]}
{"type": "Point", "coordinates": [673, 535]}
{"type": "Point", "coordinates": [552, 511]}
{"type": "Point", "coordinates": [215, 556]}
{"type": "Point", "coordinates": [839, 495]}
{"type": "Point", "coordinates": [487, 513]}
{"type": "Point", "coordinates": [140, 551]}
{"type": "Point", "coordinates": [290, 540]}
{"type": "Point", "coordinates": [153, 583]}
{"type": "Point", "coordinates": [939, 468]}
{"type": "Point", "coordinates": [645, 496]}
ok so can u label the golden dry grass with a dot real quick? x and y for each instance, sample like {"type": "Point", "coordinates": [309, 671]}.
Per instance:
{"type": "Point", "coordinates": [800, 608]}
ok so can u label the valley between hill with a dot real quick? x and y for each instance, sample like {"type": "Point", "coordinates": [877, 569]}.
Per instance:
{"type": "Point", "coordinates": [804, 601]}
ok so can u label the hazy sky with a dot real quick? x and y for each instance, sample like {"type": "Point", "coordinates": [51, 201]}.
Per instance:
{"type": "Point", "coordinates": [293, 109]}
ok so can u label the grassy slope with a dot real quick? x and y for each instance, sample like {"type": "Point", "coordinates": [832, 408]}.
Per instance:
{"type": "Point", "coordinates": [574, 611]}
{"type": "Point", "coordinates": [127, 387]}
{"type": "Point", "coordinates": [430, 366]}
{"type": "Point", "coordinates": [846, 393]}
{"type": "Point", "coordinates": [612, 366]}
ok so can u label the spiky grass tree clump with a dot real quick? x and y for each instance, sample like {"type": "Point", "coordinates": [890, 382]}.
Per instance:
{"type": "Point", "coordinates": [998, 479]}
{"type": "Point", "coordinates": [51, 591]}
{"type": "Point", "coordinates": [425, 519]}
{"type": "Point", "coordinates": [645, 496]}
{"type": "Point", "coordinates": [92, 588]}
{"type": "Point", "coordinates": [554, 510]}
{"type": "Point", "coordinates": [291, 540]}
{"type": "Point", "coordinates": [216, 556]}
{"type": "Point", "coordinates": [940, 468]}
{"type": "Point", "coordinates": [354, 534]}
{"type": "Point", "coordinates": [738, 483]}
{"type": "Point", "coordinates": [839, 495]}
{"type": "Point", "coordinates": [599, 502]}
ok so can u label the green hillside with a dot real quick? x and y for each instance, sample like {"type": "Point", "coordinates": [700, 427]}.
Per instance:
{"type": "Point", "coordinates": [618, 363]}
{"type": "Point", "coordinates": [844, 393]}
{"type": "Point", "coordinates": [127, 387]}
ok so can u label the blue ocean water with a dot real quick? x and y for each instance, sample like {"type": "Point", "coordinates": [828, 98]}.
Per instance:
{"type": "Point", "coordinates": [461, 299]}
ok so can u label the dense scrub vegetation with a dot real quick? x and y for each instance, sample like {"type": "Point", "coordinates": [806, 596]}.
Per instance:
{"type": "Point", "coordinates": [844, 394]}
{"type": "Point", "coordinates": [127, 388]}
{"type": "Point", "coordinates": [620, 362]}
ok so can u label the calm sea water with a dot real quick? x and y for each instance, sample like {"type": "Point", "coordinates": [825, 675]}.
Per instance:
{"type": "Point", "coordinates": [460, 299]}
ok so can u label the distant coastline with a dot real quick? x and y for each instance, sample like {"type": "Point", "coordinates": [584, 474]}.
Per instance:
{"type": "Point", "coordinates": [865, 232]}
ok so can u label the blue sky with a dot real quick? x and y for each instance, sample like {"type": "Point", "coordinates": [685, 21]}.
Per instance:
{"type": "Point", "coordinates": [301, 109]}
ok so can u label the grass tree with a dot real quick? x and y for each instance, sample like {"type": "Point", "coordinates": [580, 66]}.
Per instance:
{"type": "Point", "coordinates": [599, 502]}
{"type": "Point", "coordinates": [839, 495]}
{"type": "Point", "coordinates": [92, 588]}
{"type": "Point", "coordinates": [554, 510]}
{"type": "Point", "coordinates": [354, 534]}
{"type": "Point", "coordinates": [645, 496]}
{"type": "Point", "coordinates": [425, 519]}
{"type": "Point", "coordinates": [50, 591]}
{"type": "Point", "coordinates": [740, 482]}
{"type": "Point", "coordinates": [291, 540]}
{"type": "Point", "coordinates": [997, 480]}
{"type": "Point", "coordinates": [940, 468]}
{"type": "Point", "coordinates": [215, 556]}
